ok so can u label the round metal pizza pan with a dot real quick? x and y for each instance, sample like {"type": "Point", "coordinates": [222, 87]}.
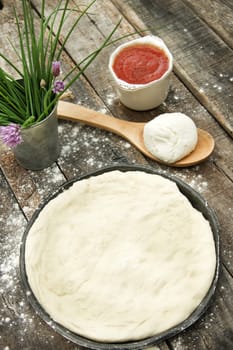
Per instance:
{"type": "Point", "coordinates": [196, 200]}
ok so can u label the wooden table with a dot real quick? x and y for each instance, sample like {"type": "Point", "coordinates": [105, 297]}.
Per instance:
{"type": "Point", "coordinates": [200, 36]}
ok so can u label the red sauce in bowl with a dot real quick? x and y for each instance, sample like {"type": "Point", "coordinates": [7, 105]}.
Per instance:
{"type": "Point", "coordinates": [140, 64]}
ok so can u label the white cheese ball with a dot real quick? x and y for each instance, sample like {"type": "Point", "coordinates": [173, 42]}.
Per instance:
{"type": "Point", "coordinates": [170, 136]}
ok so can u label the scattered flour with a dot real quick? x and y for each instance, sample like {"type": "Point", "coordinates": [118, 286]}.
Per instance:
{"type": "Point", "coordinates": [111, 98]}
{"type": "Point", "coordinates": [14, 310]}
{"type": "Point", "coordinates": [196, 181]}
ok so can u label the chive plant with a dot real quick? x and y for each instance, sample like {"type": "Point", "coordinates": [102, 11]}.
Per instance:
{"type": "Point", "coordinates": [31, 97]}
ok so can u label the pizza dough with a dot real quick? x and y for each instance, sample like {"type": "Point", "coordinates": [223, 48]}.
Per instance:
{"type": "Point", "coordinates": [120, 257]}
{"type": "Point", "coordinates": [170, 136]}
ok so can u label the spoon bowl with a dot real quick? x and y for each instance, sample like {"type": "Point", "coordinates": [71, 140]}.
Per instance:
{"type": "Point", "coordinates": [133, 132]}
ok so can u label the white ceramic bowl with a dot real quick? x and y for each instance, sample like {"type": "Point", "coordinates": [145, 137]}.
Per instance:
{"type": "Point", "coordinates": [142, 97]}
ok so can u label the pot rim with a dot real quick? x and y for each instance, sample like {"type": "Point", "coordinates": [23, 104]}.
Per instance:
{"type": "Point", "coordinates": [42, 121]}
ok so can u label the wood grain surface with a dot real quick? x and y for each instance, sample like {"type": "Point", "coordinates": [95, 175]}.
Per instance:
{"type": "Point", "coordinates": [201, 87]}
{"type": "Point", "coordinates": [218, 15]}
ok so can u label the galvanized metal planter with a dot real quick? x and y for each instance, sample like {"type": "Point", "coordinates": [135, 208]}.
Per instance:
{"type": "Point", "coordinates": [40, 146]}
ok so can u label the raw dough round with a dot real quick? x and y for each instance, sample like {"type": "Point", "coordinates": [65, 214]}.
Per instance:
{"type": "Point", "coordinates": [170, 136]}
{"type": "Point", "coordinates": [120, 257]}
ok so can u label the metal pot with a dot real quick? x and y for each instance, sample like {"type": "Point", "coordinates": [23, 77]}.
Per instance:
{"type": "Point", "coordinates": [40, 147]}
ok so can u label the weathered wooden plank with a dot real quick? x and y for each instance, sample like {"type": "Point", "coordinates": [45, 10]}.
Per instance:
{"type": "Point", "coordinates": [12, 305]}
{"type": "Point", "coordinates": [218, 14]}
{"type": "Point", "coordinates": [30, 188]}
{"type": "Point", "coordinates": [202, 60]}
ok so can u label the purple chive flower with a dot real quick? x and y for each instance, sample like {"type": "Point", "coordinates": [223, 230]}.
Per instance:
{"type": "Point", "coordinates": [58, 86]}
{"type": "Point", "coordinates": [56, 68]}
{"type": "Point", "coordinates": [10, 135]}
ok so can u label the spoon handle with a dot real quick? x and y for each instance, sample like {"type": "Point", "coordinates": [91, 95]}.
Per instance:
{"type": "Point", "coordinates": [74, 112]}
{"type": "Point", "coordinates": [133, 132]}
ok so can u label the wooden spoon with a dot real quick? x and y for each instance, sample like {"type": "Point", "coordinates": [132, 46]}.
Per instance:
{"type": "Point", "coordinates": [133, 132]}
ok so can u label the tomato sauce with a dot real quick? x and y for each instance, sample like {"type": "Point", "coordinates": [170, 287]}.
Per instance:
{"type": "Point", "coordinates": [140, 64]}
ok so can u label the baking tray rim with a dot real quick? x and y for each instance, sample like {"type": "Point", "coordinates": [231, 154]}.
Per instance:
{"type": "Point", "coordinates": [196, 200]}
